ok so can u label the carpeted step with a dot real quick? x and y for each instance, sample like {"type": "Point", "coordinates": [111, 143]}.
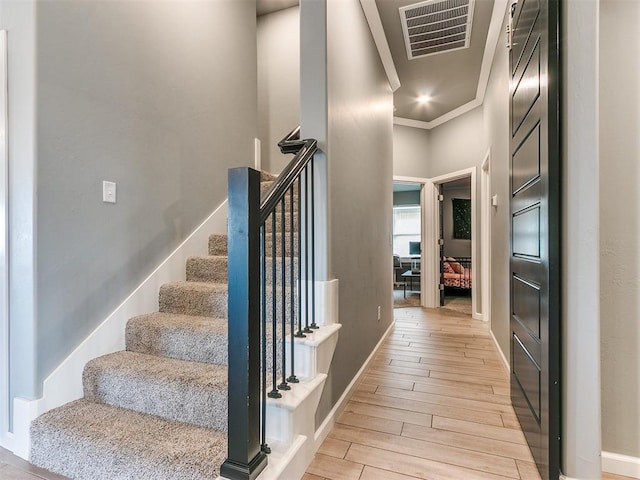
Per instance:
{"type": "Point", "coordinates": [194, 298]}
{"type": "Point", "coordinates": [84, 440]}
{"type": "Point", "coordinates": [267, 177]}
{"type": "Point", "coordinates": [278, 241]}
{"type": "Point", "coordinates": [212, 268]}
{"type": "Point", "coordinates": [287, 222]}
{"type": "Point", "coordinates": [189, 392]}
{"type": "Point", "coordinates": [265, 185]}
{"type": "Point", "coordinates": [218, 244]}
{"type": "Point", "coordinates": [185, 337]}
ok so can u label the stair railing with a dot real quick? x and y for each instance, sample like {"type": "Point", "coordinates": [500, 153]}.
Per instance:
{"type": "Point", "coordinates": [271, 296]}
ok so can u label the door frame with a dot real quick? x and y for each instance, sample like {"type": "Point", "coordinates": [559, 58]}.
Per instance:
{"type": "Point", "coordinates": [423, 232]}
{"type": "Point", "coordinates": [432, 279]}
{"type": "Point", "coordinates": [4, 244]}
{"type": "Point", "coordinates": [485, 232]}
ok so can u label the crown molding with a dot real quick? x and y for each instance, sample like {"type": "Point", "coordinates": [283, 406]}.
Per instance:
{"type": "Point", "coordinates": [372, 15]}
{"type": "Point", "coordinates": [491, 45]}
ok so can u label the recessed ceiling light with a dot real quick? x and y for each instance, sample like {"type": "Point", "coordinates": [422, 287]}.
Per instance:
{"type": "Point", "coordinates": [424, 99]}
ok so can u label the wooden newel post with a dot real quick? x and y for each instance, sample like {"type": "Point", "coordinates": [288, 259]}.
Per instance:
{"type": "Point", "coordinates": [245, 460]}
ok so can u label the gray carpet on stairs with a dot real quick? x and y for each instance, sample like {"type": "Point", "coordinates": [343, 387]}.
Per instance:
{"type": "Point", "coordinates": [207, 269]}
{"type": "Point", "coordinates": [190, 392]}
{"type": "Point", "coordinates": [194, 298]}
{"type": "Point", "coordinates": [91, 441]}
{"type": "Point", "coordinates": [185, 337]}
{"type": "Point", "coordinates": [218, 244]}
{"type": "Point", "coordinates": [158, 411]}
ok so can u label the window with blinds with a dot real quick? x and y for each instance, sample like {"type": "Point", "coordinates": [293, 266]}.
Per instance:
{"type": "Point", "coordinates": [406, 228]}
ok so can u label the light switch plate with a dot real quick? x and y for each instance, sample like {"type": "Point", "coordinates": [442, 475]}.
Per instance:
{"type": "Point", "coordinates": [109, 192]}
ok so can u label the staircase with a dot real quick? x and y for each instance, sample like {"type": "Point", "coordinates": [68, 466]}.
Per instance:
{"type": "Point", "coordinates": [158, 410]}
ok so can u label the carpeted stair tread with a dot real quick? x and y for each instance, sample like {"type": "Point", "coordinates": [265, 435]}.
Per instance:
{"type": "Point", "coordinates": [278, 240]}
{"type": "Point", "coordinates": [287, 222]}
{"type": "Point", "coordinates": [91, 441]}
{"type": "Point", "coordinates": [267, 177]}
{"type": "Point", "coordinates": [212, 268]}
{"type": "Point", "coordinates": [184, 337]}
{"type": "Point", "coordinates": [190, 392]}
{"type": "Point", "coordinates": [194, 298]}
{"type": "Point", "coordinates": [265, 185]}
{"type": "Point", "coordinates": [218, 244]}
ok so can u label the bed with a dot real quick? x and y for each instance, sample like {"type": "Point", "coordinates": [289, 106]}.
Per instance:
{"type": "Point", "coordinates": [457, 272]}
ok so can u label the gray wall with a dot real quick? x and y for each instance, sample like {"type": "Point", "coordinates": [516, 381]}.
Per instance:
{"type": "Point", "coordinates": [359, 148]}
{"type": "Point", "coordinates": [457, 144]}
{"type": "Point", "coordinates": [159, 97]}
{"type": "Point", "coordinates": [410, 151]}
{"type": "Point", "coordinates": [278, 83]}
{"type": "Point", "coordinates": [620, 225]}
{"type": "Point", "coordinates": [495, 111]}
{"type": "Point", "coordinates": [454, 247]}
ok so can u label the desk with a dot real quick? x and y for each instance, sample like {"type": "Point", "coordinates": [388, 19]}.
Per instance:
{"type": "Point", "coordinates": [410, 275]}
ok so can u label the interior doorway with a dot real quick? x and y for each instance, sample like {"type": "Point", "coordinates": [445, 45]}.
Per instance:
{"type": "Point", "coordinates": [407, 243]}
{"type": "Point", "coordinates": [456, 274]}
{"type": "Point", "coordinates": [433, 279]}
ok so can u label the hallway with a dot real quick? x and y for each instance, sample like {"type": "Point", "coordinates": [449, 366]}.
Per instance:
{"type": "Point", "coordinates": [434, 404]}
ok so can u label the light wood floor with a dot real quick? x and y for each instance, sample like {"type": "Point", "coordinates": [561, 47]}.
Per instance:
{"type": "Point", "coordinates": [434, 404]}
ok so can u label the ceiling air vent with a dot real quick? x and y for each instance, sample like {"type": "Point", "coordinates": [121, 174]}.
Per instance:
{"type": "Point", "coordinates": [436, 26]}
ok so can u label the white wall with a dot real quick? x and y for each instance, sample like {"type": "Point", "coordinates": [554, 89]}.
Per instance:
{"type": "Point", "coordinates": [580, 314]}
{"type": "Point", "coordinates": [278, 83]}
{"type": "Point", "coordinates": [19, 19]}
{"type": "Point", "coordinates": [620, 225]}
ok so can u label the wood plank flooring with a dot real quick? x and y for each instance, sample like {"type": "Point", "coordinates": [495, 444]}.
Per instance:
{"type": "Point", "coordinates": [433, 404]}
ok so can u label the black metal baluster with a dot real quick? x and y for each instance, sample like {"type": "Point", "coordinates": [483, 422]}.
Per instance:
{"type": "Point", "coordinates": [263, 314]}
{"type": "Point", "coordinates": [299, 333]}
{"type": "Point", "coordinates": [292, 321]}
{"type": "Point", "coordinates": [313, 250]}
{"type": "Point", "coordinates": [274, 334]}
{"type": "Point", "coordinates": [306, 251]}
{"type": "Point", "coordinates": [284, 385]}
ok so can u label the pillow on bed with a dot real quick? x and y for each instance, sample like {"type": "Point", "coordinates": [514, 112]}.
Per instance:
{"type": "Point", "coordinates": [457, 267]}
{"type": "Point", "coordinates": [448, 268]}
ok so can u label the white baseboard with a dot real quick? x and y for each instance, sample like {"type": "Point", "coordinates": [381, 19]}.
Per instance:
{"type": "Point", "coordinates": [505, 362]}
{"type": "Point", "coordinates": [65, 382]}
{"type": "Point", "coordinates": [324, 429]}
{"type": "Point", "coordinates": [624, 465]}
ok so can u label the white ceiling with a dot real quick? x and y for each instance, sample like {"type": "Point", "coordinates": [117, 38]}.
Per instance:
{"type": "Point", "coordinates": [455, 81]}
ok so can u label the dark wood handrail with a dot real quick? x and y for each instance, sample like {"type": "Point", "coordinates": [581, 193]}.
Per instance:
{"type": "Point", "coordinates": [304, 151]}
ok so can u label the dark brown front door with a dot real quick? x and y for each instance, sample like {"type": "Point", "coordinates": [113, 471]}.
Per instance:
{"type": "Point", "coordinates": [535, 221]}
